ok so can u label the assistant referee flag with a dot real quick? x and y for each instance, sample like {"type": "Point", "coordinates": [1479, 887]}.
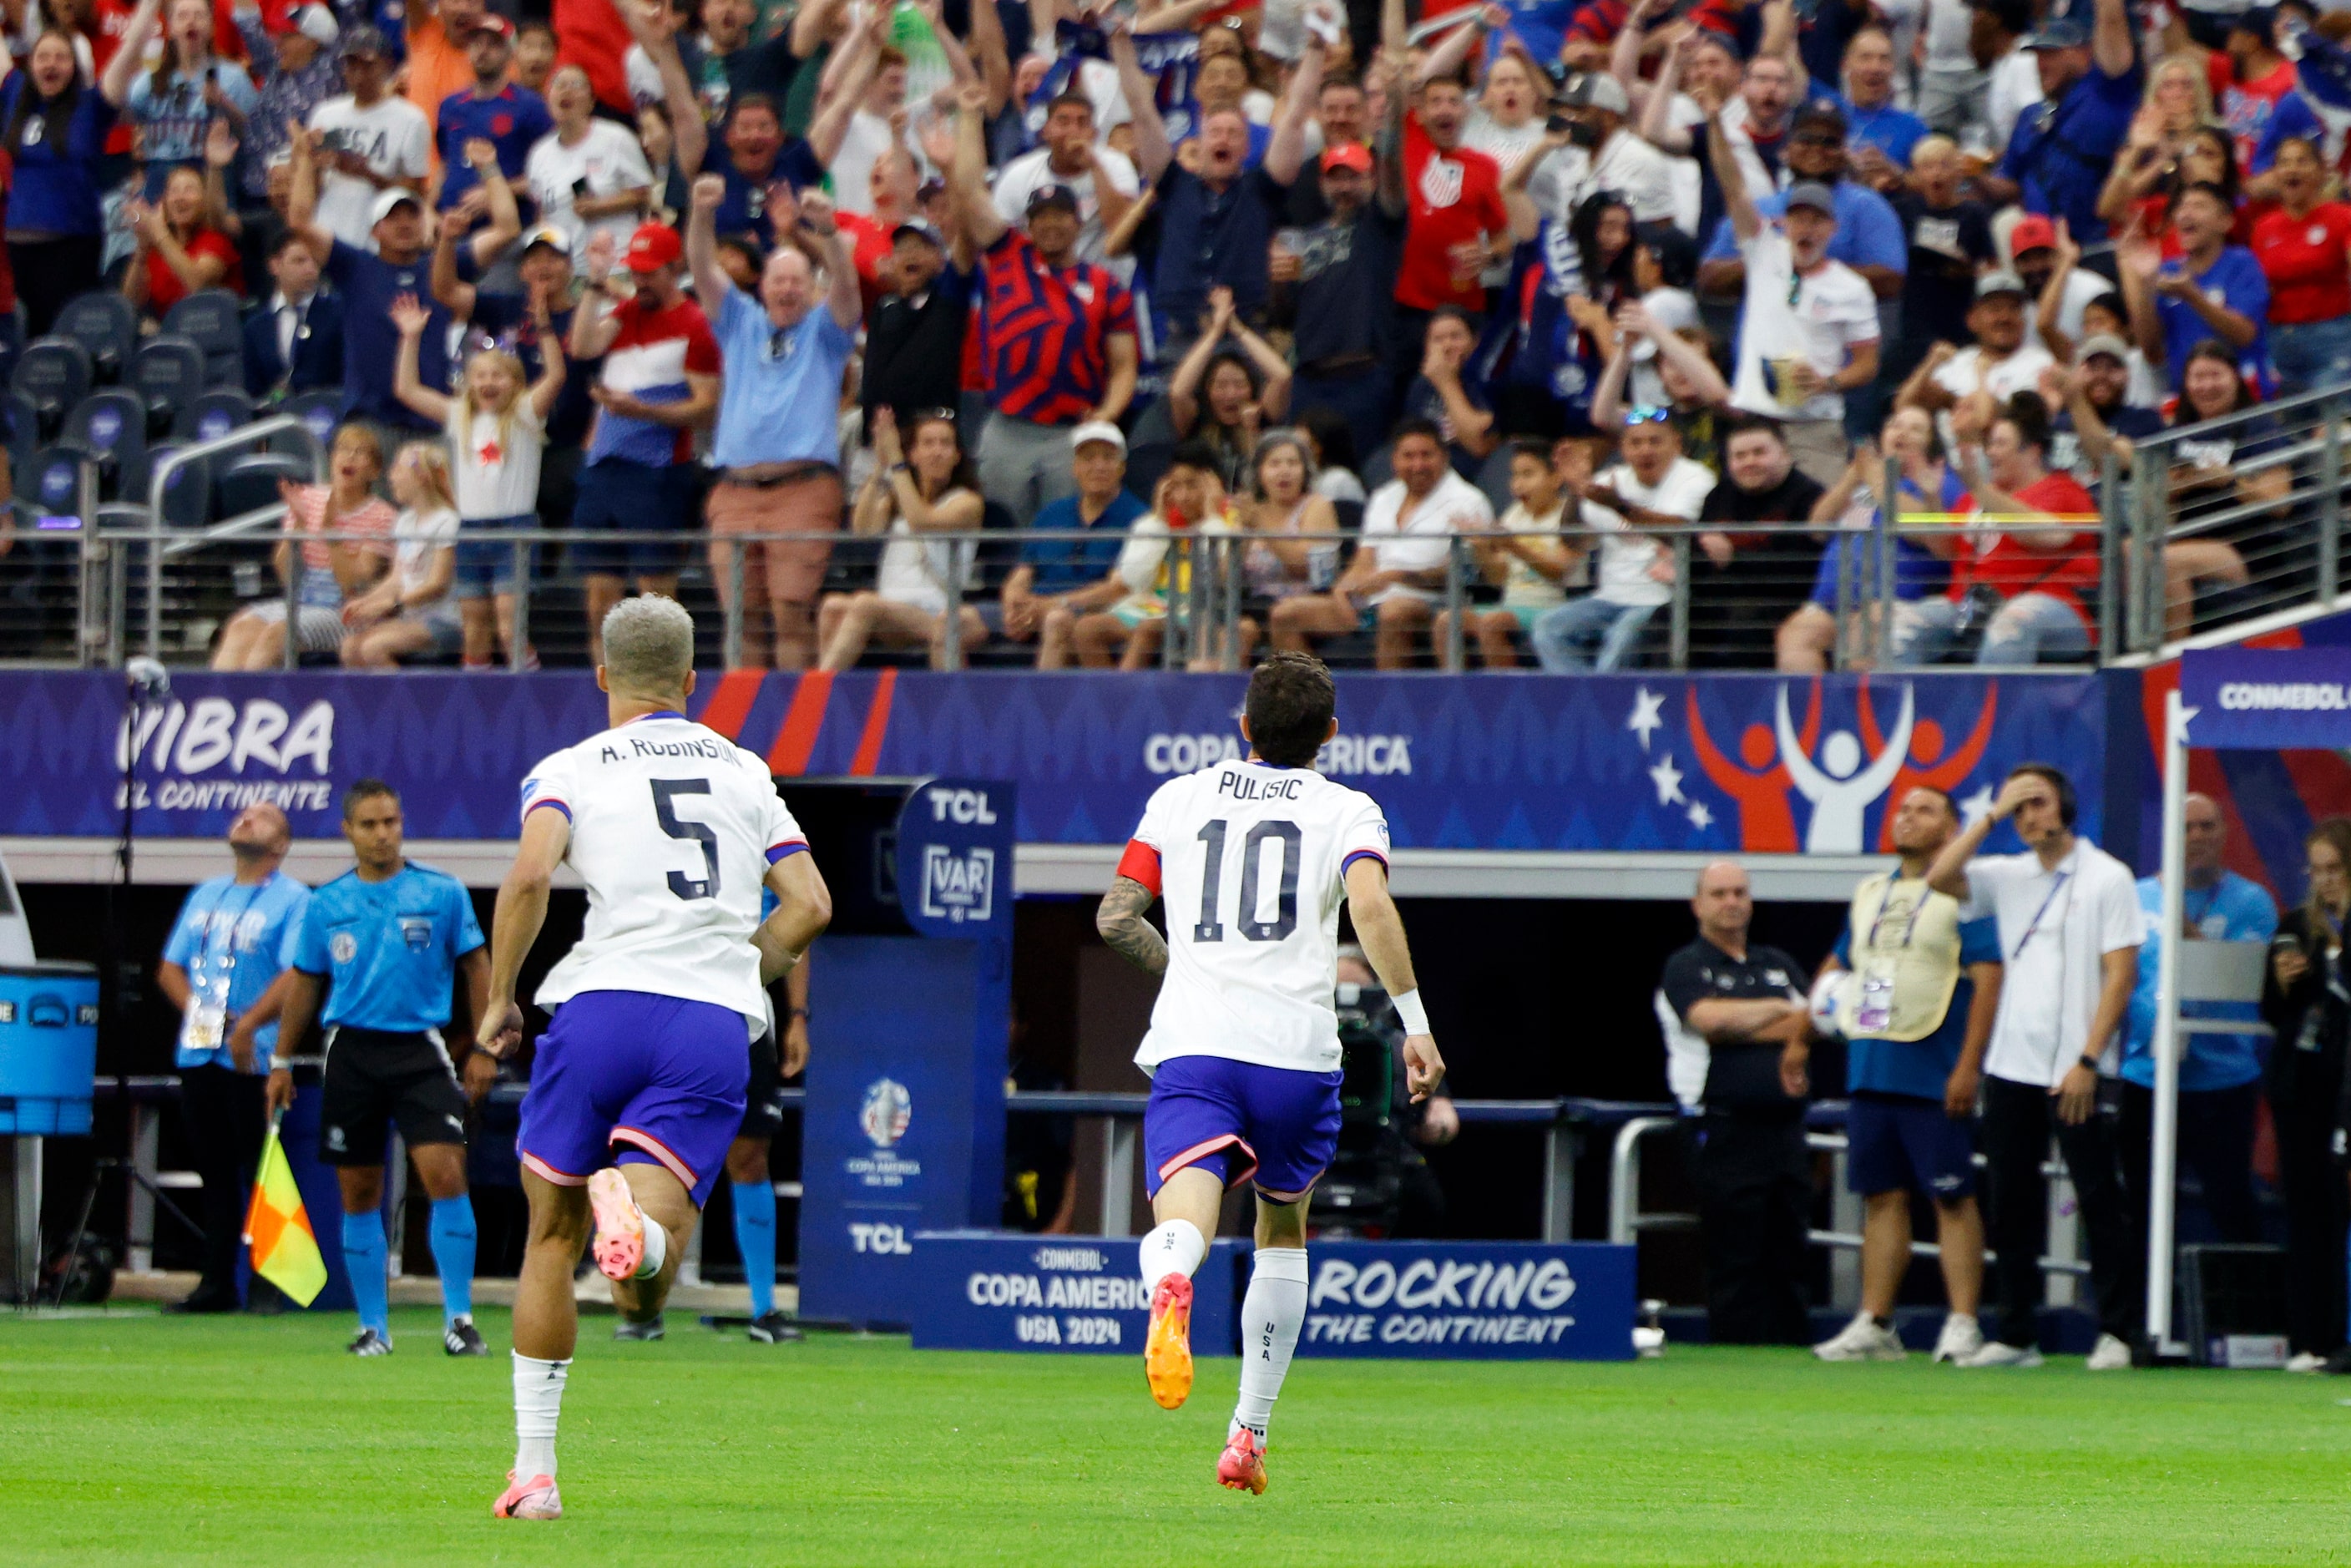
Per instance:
{"type": "Point", "coordinates": [285, 1251]}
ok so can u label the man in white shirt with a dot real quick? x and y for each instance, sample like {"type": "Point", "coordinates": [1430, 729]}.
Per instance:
{"type": "Point", "coordinates": [1070, 155]}
{"type": "Point", "coordinates": [1996, 365]}
{"type": "Point", "coordinates": [1653, 487]}
{"type": "Point", "coordinates": [375, 140]}
{"type": "Point", "coordinates": [1397, 578]}
{"type": "Point", "coordinates": [2069, 932]}
{"type": "Point", "coordinates": [588, 175]}
{"type": "Point", "coordinates": [1600, 153]}
{"type": "Point", "coordinates": [1808, 330]}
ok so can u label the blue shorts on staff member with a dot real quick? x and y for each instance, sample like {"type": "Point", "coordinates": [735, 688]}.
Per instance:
{"type": "Point", "coordinates": [487, 567]}
{"type": "Point", "coordinates": [1896, 1141]}
{"type": "Point", "coordinates": [1237, 1119]}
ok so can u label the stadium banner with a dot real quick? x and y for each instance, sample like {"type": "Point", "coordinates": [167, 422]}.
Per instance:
{"type": "Point", "coordinates": [1455, 1300]}
{"type": "Point", "coordinates": [1654, 760]}
{"type": "Point", "coordinates": [2271, 698]}
{"type": "Point", "coordinates": [969, 1290]}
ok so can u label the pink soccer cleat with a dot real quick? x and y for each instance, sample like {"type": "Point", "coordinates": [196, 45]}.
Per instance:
{"type": "Point", "coordinates": [619, 1244]}
{"type": "Point", "coordinates": [1241, 1467]}
{"type": "Point", "coordinates": [1167, 1347]}
{"type": "Point", "coordinates": [537, 1499]}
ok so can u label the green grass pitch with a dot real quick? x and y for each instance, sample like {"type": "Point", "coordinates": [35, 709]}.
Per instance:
{"type": "Point", "coordinates": [129, 1438]}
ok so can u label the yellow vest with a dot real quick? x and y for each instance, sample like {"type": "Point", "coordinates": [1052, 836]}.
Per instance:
{"type": "Point", "coordinates": [1905, 956]}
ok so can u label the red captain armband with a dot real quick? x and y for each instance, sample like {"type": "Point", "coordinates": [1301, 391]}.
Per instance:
{"type": "Point", "coordinates": [1140, 864]}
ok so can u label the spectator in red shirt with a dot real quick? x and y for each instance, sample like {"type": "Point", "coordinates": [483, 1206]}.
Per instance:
{"type": "Point", "coordinates": [2024, 583]}
{"type": "Point", "coordinates": [178, 254]}
{"type": "Point", "coordinates": [1456, 225]}
{"type": "Point", "coordinates": [2303, 244]}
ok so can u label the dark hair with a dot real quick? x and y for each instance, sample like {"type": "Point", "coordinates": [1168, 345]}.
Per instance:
{"type": "Point", "coordinates": [2068, 805]}
{"type": "Point", "coordinates": [1675, 253]}
{"type": "Point", "coordinates": [964, 476]}
{"type": "Point", "coordinates": [1339, 79]}
{"type": "Point", "coordinates": [1217, 362]}
{"type": "Point", "coordinates": [1070, 100]}
{"type": "Point", "coordinates": [745, 246]}
{"type": "Point", "coordinates": [2219, 353]}
{"type": "Point", "coordinates": [1584, 229]}
{"type": "Point", "coordinates": [2231, 181]}
{"type": "Point", "coordinates": [287, 239]}
{"type": "Point", "coordinates": [366, 790]}
{"type": "Point", "coordinates": [2207, 188]}
{"type": "Point", "coordinates": [58, 111]}
{"type": "Point", "coordinates": [534, 27]}
{"type": "Point", "coordinates": [755, 100]}
{"type": "Point", "coordinates": [2030, 415]}
{"type": "Point", "coordinates": [1415, 426]}
{"type": "Point", "coordinates": [1936, 452]}
{"type": "Point", "coordinates": [1290, 705]}
{"type": "Point", "coordinates": [2110, 302]}
{"type": "Point", "coordinates": [1333, 436]}
{"type": "Point", "coordinates": [1950, 802]}
{"type": "Point", "coordinates": [1533, 447]}
{"type": "Point", "coordinates": [1740, 424]}
{"type": "Point", "coordinates": [2336, 831]}
{"type": "Point", "coordinates": [1197, 453]}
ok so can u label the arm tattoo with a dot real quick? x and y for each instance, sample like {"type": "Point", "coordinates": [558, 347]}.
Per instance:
{"type": "Point", "coordinates": [1131, 936]}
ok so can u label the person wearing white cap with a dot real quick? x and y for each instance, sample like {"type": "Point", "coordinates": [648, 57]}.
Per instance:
{"type": "Point", "coordinates": [1597, 152]}
{"type": "Point", "coordinates": [1060, 580]}
{"type": "Point", "coordinates": [1998, 365]}
{"type": "Point", "coordinates": [375, 140]}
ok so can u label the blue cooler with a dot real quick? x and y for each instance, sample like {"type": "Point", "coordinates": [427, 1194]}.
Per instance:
{"type": "Point", "coordinates": [48, 1048]}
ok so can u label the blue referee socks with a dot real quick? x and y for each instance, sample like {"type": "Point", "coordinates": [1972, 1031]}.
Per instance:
{"type": "Point", "coordinates": [364, 1261]}
{"type": "Point", "coordinates": [452, 1255]}
{"type": "Point", "coordinates": [755, 1238]}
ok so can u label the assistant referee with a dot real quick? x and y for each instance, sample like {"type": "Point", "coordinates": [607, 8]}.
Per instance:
{"type": "Point", "coordinates": [391, 936]}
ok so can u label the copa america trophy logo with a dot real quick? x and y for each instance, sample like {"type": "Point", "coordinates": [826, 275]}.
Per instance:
{"type": "Point", "coordinates": [888, 1108]}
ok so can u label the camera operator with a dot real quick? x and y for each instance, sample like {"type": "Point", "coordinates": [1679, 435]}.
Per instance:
{"type": "Point", "coordinates": [1737, 1046]}
{"type": "Point", "coordinates": [1432, 1124]}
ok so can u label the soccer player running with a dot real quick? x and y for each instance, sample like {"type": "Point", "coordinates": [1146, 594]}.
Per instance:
{"type": "Point", "coordinates": [674, 829]}
{"type": "Point", "coordinates": [391, 934]}
{"type": "Point", "coordinates": [1254, 858]}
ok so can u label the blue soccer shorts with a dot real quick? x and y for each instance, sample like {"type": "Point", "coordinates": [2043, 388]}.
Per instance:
{"type": "Point", "coordinates": [628, 1077]}
{"type": "Point", "coordinates": [1895, 1141]}
{"type": "Point", "coordinates": [1237, 1119]}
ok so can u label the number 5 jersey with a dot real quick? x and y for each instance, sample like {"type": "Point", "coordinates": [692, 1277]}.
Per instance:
{"type": "Point", "coordinates": [1251, 860]}
{"type": "Point", "coordinates": [673, 829]}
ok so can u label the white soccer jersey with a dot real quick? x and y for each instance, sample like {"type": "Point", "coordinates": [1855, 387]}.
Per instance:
{"type": "Point", "coordinates": [673, 829]}
{"type": "Point", "coordinates": [1251, 859]}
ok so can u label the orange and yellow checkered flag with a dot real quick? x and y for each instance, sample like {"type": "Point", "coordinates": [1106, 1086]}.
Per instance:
{"type": "Point", "coordinates": [285, 1249]}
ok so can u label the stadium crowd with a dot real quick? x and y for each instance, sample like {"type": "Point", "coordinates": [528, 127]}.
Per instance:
{"type": "Point", "coordinates": [1564, 274]}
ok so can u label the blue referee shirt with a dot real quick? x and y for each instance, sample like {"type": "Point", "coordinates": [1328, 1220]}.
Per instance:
{"type": "Point", "coordinates": [391, 947]}
{"type": "Point", "coordinates": [2231, 910]}
{"type": "Point", "coordinates": [233, 940]}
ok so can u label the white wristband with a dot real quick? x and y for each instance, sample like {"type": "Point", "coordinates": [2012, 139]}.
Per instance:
{"type": "Point", "coordinates": [1408, 1007]}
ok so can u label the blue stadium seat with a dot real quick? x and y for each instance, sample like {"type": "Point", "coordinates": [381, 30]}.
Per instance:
{"type": "Point", "coordinates": [169, 374]}
{"type": "Point", "coordinates": [213, 319]}
{"type": "Point", "coordinates": [111, 424]}
{"type": "Point", "coordinates": [1374, 470]}
{"type": "Point", "coordinates": [23, 429]}
{"type": "Point", "coordinates": [52, 374]}
{"type": "Point", "coordinates": [213, 415]}
{"type": "Point", "coordinates": [188, 496]}
{"type": "Point", "coordinates": [51, 482]}
{"type": "Point", "coordinates": [321, 411]}
{"type": "Point", "coordinates": [106, 324]}
{"type": "Point", "coordinates": [249, 483]}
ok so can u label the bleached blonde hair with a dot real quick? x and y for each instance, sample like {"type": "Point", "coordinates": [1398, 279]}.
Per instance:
{"type": "Point", "coordinates": [648, 646]}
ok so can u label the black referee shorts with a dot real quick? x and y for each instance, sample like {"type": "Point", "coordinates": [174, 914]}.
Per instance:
{"type": "Point", "coordinates": [374, 1080]}
{"type": "Point", "coordinates": [763, 1097]}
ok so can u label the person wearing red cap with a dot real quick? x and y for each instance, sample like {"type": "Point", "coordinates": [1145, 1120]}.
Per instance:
{"type": "Point", "coordinates": [658, 386]}
{"type": "Point", "coordinates": [2050, 263]}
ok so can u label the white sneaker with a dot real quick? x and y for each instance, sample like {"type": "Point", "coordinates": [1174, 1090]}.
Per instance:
{"type": "Point", "coordinates": [1862, 1340]}
{"type": "Point", "coordinates": [1994, 1353]}
{"type": "Point", "coordinates": [2305, 1361]}
{"type": "Point", "coordinates": [2109, 1355]}
{"type": "Point", "coordinates": [1961, 1339]}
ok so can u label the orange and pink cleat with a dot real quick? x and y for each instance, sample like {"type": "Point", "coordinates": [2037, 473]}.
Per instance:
{"type": "Point", "coordinates": [620, 1245]}
{"type": "Point", "coordinates": [1241, 1467]}
{"type": "Point", "coordinates": [537, 1499]}
{"type": "Point", "coordinates": [1167, 1348]}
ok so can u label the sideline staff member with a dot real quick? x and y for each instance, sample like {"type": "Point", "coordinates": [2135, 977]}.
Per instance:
{"type": "Point", "coordinates": [391, 935]}
{"type": "Point", "coordinates": [2069, 928]}
{"type": "Point", "coordinates": [233, 935]}
{"type": "Point", "coordinates": [1917, 992]}
{"type": "Point", "coordinates": [1738, 1042]}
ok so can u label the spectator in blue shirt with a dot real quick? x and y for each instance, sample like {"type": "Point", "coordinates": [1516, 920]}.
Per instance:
{"type": "Point", "coordinates": [2211, 290]}
{"type": "Point", "coordinates": [1059, 580]}
{"type": "Point", "coordinates": [1882, 132]}
{"type": "Point", "coordinates": [172, 106]}
{"type": "Point", "coordinates": [508, 116]}
{"type": "Point", "coordinates": [220, 967]}
{"type": "Point", "coordinates": [2219, 1075]}
{"type": "Point", "coordinates": [386, 941]}
{"type": "Point", "coordinates": [1870, 238]}
{"type": "Point", "coordinates": [2059, 154]}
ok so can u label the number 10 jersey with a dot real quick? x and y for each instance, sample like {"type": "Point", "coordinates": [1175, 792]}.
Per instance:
{"type": "Point", "coordinates": [1251, 860]}
{"type": "Point", "coordinates": [673, 829]}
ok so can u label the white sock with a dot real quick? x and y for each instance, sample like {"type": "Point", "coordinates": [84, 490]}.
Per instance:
{"type": "Point", "coordinates": [1174, 1248]}
{"type": "Point", "coordinates": [657, 1248]}
{"type": "Point", "coordinates": [1272, 1311]}
{"type": "Point", "coordinates": [538, 1402]}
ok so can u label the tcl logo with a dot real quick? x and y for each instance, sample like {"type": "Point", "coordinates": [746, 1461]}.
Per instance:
{"type": "Point", "coordinates": [882, 1238]}
{"type": "Point", "coordinates": [960, 805]}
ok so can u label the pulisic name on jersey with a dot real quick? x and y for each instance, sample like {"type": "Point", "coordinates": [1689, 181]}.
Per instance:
{"type": "Point", "coordinates": [1343, 756]}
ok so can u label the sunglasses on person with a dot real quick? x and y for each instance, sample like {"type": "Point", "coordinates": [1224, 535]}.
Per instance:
{"type": "Point", "coordinates": [1648, 413]}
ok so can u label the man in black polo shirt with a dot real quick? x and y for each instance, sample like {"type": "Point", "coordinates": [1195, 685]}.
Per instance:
{"type": "Point", "coordinates": [913, 349]}
{"type": "Point", "coordinates": [1738, 1034]}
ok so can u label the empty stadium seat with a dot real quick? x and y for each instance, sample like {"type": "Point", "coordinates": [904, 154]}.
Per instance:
{"type": "Point", "coordinates": [188, 491]}
{"type": "Point", "coordinates": [52, 480]}
{"type": "Point", "coordinates": [106, 324]}
{"type": "Point", "coordinates": [112, 424]}
{"type": "Point", "coordinates": [169, 374]}
{"type": "Point", "coordinates": [249, 483]}
{"type": "Point", "coordinates": [213, 415]}
{"type": "Point", "coordinates": [54, 374]}
{"type": "Point", "coordinates": [213, 319]}
{"type": "Point", "coordinates": [23, 429]}
{"type": "Point", "coordinates": [321, 411]}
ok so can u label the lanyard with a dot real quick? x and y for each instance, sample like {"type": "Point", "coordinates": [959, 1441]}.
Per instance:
{"type": "Point", "coordinates": [1909, 925]}
{"type": "Point", "coordinates": [2029, 930]}
{"type": "Point", "coordinates": [227, 955]}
